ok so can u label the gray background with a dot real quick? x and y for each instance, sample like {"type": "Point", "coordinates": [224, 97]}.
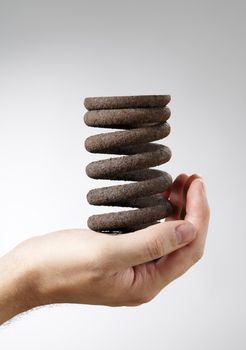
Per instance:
{"type": "Point", "coordinates": [55, 53]}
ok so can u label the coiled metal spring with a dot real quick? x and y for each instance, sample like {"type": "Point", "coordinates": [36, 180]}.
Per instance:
{"type": "Point", "coordinates": [144, 119]}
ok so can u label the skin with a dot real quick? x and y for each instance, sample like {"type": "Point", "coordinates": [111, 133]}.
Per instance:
{"type": "Point", "coordinates": [86, 267]}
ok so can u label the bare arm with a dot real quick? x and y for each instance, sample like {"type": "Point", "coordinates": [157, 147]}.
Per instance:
{"type": "Point", "coordinates": [16, 288]}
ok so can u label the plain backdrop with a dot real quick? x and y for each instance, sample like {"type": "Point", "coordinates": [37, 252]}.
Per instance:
{"type": "Point", "coordinates": [53, 54]}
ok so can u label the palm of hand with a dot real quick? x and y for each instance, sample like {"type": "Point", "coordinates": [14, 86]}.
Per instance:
{"type": "Point", "coordinates": [146, 280]}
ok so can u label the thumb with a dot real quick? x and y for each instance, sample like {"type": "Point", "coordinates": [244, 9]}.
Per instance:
{"type": "Point", "coordinates": [153, 242]}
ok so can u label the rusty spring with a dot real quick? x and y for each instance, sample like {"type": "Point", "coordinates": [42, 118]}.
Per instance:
{"type": "Point", "coordinates": [144, 119]}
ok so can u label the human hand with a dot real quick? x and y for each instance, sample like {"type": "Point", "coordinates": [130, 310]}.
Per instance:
{"type": "Point", "coordinates": [82, 266]}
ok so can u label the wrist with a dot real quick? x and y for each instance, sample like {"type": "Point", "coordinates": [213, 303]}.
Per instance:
{"type": "Point", "coordinates": [17, 287]}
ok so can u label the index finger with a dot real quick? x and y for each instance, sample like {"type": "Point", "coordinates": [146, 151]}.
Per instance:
{"type": "Point", "coordinates": [198, 213]}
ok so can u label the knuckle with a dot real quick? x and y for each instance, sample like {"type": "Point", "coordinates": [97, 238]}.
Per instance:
{"type": "Point", "coordinates": [155, 247]}
{"type": "Point", "coordinates": [173, 239]}
{"type": "Point", "coordinates": [140, 299]}
{"type": "Point", "coordinates": [147, 298]}
{"type": "Point", "coordinates": [208, 212]}
{"type": "Point", "coordinates": [197, 255]}
{"type": "Point", "coordinates": [141, 295]}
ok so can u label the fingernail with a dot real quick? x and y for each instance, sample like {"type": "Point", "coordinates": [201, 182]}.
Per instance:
{"type": "Point", "coordinates": [185, 233]}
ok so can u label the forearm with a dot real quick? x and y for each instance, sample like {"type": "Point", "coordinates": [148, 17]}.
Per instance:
{"type": "Point", "coordinates": [16, 288]}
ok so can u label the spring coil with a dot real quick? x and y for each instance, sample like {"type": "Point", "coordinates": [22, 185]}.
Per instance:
{"type": "Point", "coordinates": [144, 119]}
